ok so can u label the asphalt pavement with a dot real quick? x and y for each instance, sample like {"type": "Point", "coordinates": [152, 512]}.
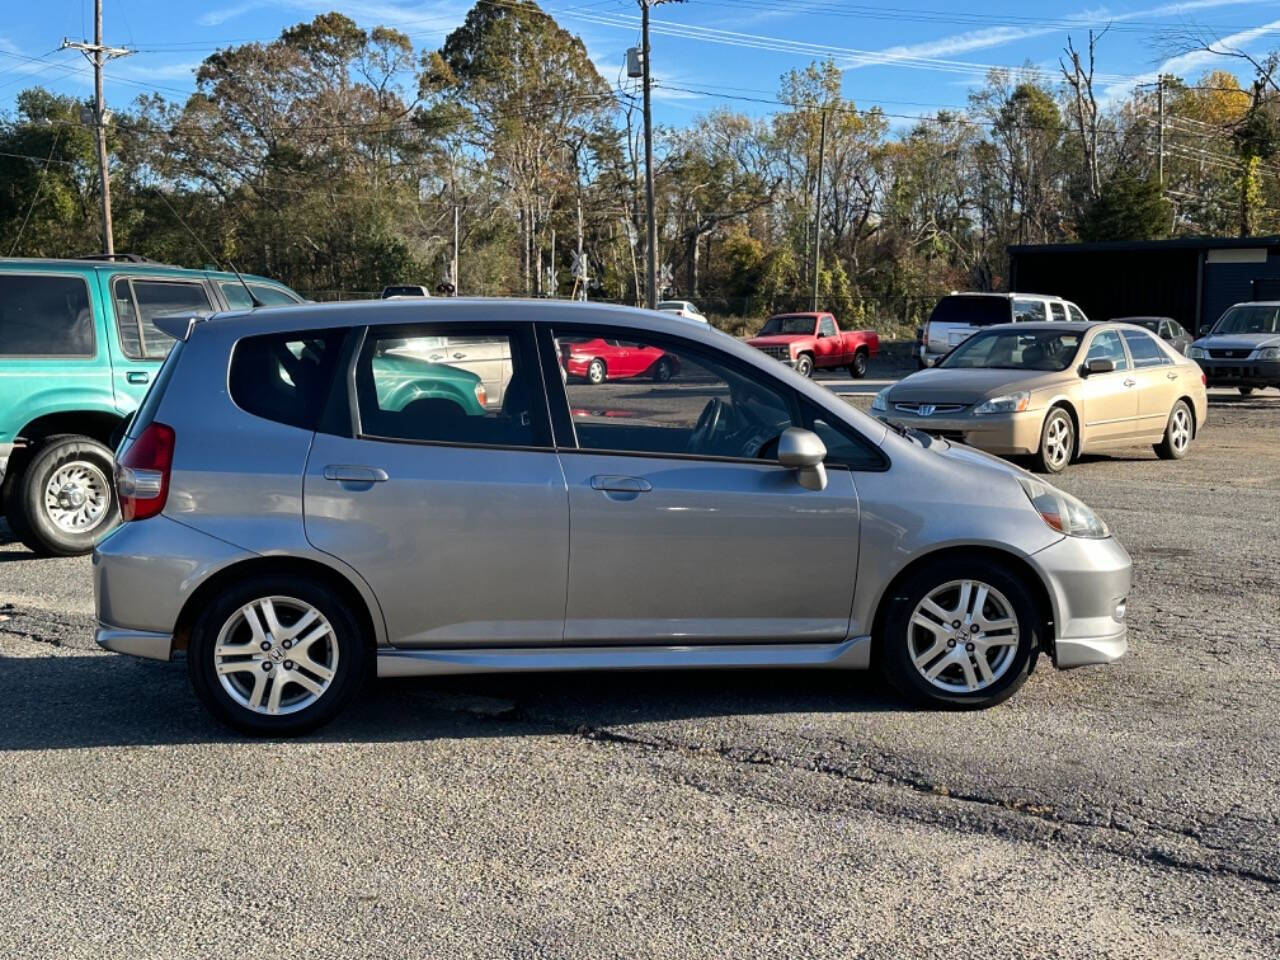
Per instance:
{"type": "Point", "coordinates": [1129, 811]}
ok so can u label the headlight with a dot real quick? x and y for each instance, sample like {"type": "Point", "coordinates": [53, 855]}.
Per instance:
{"type": "Point", "coordinates": [1269, 353]}
{"type": "Point", "coordinates": [1196, 353]}
{"type": "Point", "coordinates": [881, 400]}
{"type": "Point", "coordinates": [1062, 511]}
{"type": "Point", "coordinates": [1011, 403]}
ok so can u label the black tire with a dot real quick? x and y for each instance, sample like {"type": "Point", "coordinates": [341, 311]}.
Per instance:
{"type": "Point", "coordinates": [1179, 431]}
{"type": "Point", "coordinates": [662, 370]}
{"type": "Point", "coordinates": [1057, 433]}
{"type": "Point", "coordinates": [32, 519]}
{"type": "Point", "coordinates": [351, 667]}
{"type": "Point", "coordinates": [894, 646]}
{"type": "Point", "coordinates": [597, 372]}
{"type": "Point", "coordinates": [1245, 391]}
{"type": "Point", "coordinates": [858, 369]}
{"type": "Point", "coordinates": [804, 365]}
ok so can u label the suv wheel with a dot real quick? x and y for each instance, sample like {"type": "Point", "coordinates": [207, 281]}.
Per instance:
{"type": "Point", "coordinates": [276, 656]}
{"type": "Point", "coordinates": [959, 634]}
{"type": "Point", "coordinates": [65, 499]}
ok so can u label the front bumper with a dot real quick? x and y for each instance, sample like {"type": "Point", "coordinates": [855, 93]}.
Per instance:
{"type": "Point", "coordinates": [1088, 582]}
{"type": "Point", "coordinates": [137, 643]}
{"type": "Point", "coordinates": [6, 451]}
{"type": "Point", "coordinates": [1007, 434]}
{"type": "Point", "coordinates": [1241, 373]}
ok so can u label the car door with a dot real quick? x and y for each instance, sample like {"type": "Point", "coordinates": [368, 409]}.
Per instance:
{"type": "Point", "coordinates": [1157, 385]}
{"type": "Point", "coordinates": [1109, 399]}
{"type": "Point", "coordinates": [142, 346]}
{"type": "Point", "coordinates": [828, 346]}
{"type": "Point", "coordinates": [683, 525]}
{"type": "Point", "coordinates": [453, 512]}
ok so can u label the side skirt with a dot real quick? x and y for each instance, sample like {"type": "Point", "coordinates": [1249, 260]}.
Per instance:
{"type": "Point", "coordinates": [851, 654]}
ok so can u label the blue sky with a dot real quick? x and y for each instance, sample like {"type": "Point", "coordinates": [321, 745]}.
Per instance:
{"type": "Point", "coordinates": [907, 56]}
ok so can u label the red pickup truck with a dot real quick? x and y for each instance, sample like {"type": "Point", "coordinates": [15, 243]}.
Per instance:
{"type": "Point", "coordinates": [813, 340]}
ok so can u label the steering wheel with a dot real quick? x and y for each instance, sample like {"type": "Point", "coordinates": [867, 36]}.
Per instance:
{"type": "Point", "coordinates": [707, 425]}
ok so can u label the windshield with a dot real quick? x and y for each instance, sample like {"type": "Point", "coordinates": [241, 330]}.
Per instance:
{"type": "Point", "coordinates": [1254, 318]}
{"type": "Point", "coordinates": [1015, 350]}
{"type": "Point", "coordinates": [788, 325]}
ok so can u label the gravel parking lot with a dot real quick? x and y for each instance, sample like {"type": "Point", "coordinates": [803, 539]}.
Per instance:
{"type": "Point", "coordinates": [1127, 811]}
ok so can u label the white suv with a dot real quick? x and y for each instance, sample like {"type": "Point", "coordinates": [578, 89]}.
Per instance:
{"type": "Point", "coordinates": [959, 315]}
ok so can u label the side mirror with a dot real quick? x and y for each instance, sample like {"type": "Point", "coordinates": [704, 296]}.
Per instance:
{"type": "Point", "coordinates": [1099, 365]}
{"type": "Point", "coordinates": [803, 451]}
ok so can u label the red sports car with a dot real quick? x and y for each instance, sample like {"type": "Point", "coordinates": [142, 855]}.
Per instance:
{"type": "Point", "coordinates": [599, 360]}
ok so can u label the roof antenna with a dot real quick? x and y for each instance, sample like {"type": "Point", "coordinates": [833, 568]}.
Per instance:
{"type": "Point", "coordinates": [253, 300]}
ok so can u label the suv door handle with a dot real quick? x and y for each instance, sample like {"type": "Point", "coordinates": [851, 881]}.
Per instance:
{"type": "Point", "coordinates": [137, 376]}
{"type": "Point", "coordinates": [612, 484]}
{"type": "Point", "coordinates": [1130, 382]}
{"type": "Point", "coordinates": [352, 474]}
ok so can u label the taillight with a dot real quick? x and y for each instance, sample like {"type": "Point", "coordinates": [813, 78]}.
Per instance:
{"type": "Point", "coordinates": [1204, 380]}
{"type": "Point", "coordinates": [142, 476]}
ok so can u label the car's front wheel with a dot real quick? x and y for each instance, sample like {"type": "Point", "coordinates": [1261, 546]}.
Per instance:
{"type": "Point", "coordinates": [64, 499]}
{"type": "Point", "coordinates": [1057, 442]}
{"type": "Point", "coordinates": [276, 656]}
{"type": "Point", "coordinates": [596, 371]}
{"type": "Point", "coordinates": [804, 365]}
{"type": "Point", "coordinates": [959, 634]}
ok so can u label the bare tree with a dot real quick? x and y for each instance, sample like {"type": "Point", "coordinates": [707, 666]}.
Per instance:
{"type": "Point", "coordinates": [1080, 80]}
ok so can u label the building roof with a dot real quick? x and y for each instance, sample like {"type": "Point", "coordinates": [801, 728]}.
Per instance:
{"type": "Point", "coordinates": [1123, 246]}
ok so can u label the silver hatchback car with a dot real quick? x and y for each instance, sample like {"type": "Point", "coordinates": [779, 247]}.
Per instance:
{"type": "Point", "coordinates": [309, 499]}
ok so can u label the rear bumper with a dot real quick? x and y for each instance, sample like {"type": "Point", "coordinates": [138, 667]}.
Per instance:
{"type": "Point", "coordinates": [1008, 434]}
{"type": "Point", "coordinates": [1089, 582]}
{"type": "Point", "coordinates": [1241, 373]}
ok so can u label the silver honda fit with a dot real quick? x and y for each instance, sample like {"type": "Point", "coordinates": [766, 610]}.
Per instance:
{"type": "Point", "coordinates": [314, 493]}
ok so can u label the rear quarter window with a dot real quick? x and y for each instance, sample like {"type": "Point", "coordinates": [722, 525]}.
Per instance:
{"type": "Point", "coordinates": [45, 316]}
{"type": "Point", "coordinates": [285, 377]}
{"type": "Point", "coordinates": [972, 311]}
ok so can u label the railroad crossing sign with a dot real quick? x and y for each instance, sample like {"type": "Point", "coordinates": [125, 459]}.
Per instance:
{"type": "Point", "coordinates": [553, 279]}
{"type": "Point", "coordinates": [665, 278]}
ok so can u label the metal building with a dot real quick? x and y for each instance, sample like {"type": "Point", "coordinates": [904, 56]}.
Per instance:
{"type": "Point", "coordinates": [1191, 279]}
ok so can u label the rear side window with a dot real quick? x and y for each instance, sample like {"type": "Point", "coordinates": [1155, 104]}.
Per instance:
{"type": "Point", "coordinates": [971, 311]}
{"type": "Point", "coordinates": [285, 377]}
{"type": "Point", "coordinates": [269, 296]}
{"type": "Point", "coordinates": [139, 302]}
{"type": "Point", "coordinates": [1144, 349]}
{"type": "Point", "coordinates": [1057, 312]}
{"type": "Point", "coordinates": [1025, 311]}
{"type": "Point", "coordinates": [45, 316]}
{"type": "Point", "coordinates": [1076, 313]}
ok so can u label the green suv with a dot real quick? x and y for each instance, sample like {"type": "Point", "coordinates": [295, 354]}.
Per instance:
{"type": "Point", "coordinates": [78, 350]}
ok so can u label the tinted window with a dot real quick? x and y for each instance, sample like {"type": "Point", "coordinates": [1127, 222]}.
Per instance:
{"type": "Point", "coordinates": [404, 291]}
{"type": "Point", "coordinates": [1144, 349]}
{"type": "Point", "coordinates": [657, 397]}
{"type": "Point", "coordinates": [285, 377]}
{"type": "Point", "coordinates": [1107, 346]}
{"type": "Point", "coordinates": [975, 311]}
{"type": "Point", "coordinates": [1057, 311]}
{"type": "Point", "coordinates": [45, 316]}
{"type": "Point", "coordinates": [139, 302]}
{"type": "Point", "coordinates": [1076, 313]}
{"type": "Point", "coordinates": [269, 296]}
{"type": "Point", "coordinates": [1028, 310]}
{"type": "Point", "coordinates": [434, 385]}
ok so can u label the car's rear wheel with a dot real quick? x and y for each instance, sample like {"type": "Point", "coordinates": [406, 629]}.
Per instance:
{"type": "Point", "coordinates": [1057, 442]}
{"type": "Point", "coordinates": [1245, 391]}
{"type": "Point", "coordinates": [64, 500]}
{"type": "Point", "coordinates": [662, 370]}
{"type": "Point", "coordinates": [276, 656]}
{"type": "Point", "coordinates": [1178, 433]}
{"type": "Point", "coordinates": [959, 633]}
{"type": "Point", "coordinates": [804, 365]}
{"type": "Point", "coordinates": [596, 371]}
{"type": "Point", "coordinates": [858, 368]}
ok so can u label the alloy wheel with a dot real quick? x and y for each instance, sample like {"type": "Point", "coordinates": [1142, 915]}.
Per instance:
{"type": "Point", "coordinates": [963, 636]}
{"type": "Point", "coordinates": [1180, 434]}
{"type": "Point", "coordinates": [276, 655]}
{"type": "Point", "coordinates": [77, 496]}
{"type": "Point", "coordinates": [1057, 442]}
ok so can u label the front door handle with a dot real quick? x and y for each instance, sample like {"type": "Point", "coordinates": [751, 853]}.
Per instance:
{"type": "Point", "coordinates": [612, 484]}
{"type": "Point", "coordinates": [1172, 376]}
{"type": "Point", "coordinates": [345, 473]}
{"type": "Point", "coordinates": [137, 376]}
{"type": "Point", "coordinates": [1130, 383]}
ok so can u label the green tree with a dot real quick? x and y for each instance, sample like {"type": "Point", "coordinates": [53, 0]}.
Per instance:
{"type": "Point", "coordinates": [1128, 208]}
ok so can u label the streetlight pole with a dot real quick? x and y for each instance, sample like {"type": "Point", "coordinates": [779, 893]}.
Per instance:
{"type": "Point", "coordinates": [651, 230]}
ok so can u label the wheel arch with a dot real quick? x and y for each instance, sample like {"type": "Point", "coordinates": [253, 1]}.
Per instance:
{"type": "Point", "coordinates": [368, 617]}
{"type": "Point", "coordinates": [1191, 407]}
{"type": "Point", "coordinates": [1018, 564]}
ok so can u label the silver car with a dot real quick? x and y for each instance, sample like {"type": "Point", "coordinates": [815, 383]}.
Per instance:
{"type": "Point", "coordinates": [304, 508]}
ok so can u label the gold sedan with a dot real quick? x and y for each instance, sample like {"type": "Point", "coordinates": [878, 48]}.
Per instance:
{"type": "Point", "coordinates": [1054, 391]}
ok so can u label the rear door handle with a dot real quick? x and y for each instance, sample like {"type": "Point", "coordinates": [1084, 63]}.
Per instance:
{"type": "Point", "coordinates": [137, 376]}
{"type": "Point", "coordinates": [612, 484]}
{"type": "Point", "coordinates": [353, 474]}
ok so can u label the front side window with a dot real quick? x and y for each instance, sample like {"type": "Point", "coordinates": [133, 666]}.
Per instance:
{"type": "Point", "coordinates": [1145, 350]}
{"type": "Point", "coordinates": [285, 377]}
{"type": "Point", "coordinates": [45, 316]}
{"type": "Point", "coordinates": [462, 385]}
{"type": "Point", "coordinates": [139, 302]}
{"type": "Point", "coordinates": [826, 327]}
{"type": "Point", "coordinates": [1015, 350]}
{"type": "Point", "coordinates": [662, 398]}
{"type": "Point", "coordinates": [1028, 310]}
{"type": "Point", "coordinates": [1107, 346]}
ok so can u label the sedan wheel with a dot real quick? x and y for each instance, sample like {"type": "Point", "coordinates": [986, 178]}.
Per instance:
{"type": "Point", "coordinates": [1178, 433]}
{"type": "Point", "coordinates": [596, 372]}
{"type": "Point", "coordinates": [1057, 442]}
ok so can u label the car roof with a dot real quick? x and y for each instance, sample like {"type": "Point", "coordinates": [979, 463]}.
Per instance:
{"type": "Point", "coordinates": [1138, 319]}
{"type": "Point", "coordinates": [1004, 294]}
{"type": "Point", "coordinates": [1059, 326]}
{"type": "Point", "coordinates": [133, 267]}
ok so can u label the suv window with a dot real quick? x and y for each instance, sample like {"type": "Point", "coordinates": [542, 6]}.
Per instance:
{"type": "Point", "coordinates": [1144, 349]}
{"type": "Point", "coordinates": [826, 327]}
{"type": "Point", "coordinates": [1076, 313]}
{"type": "Point", "coordinates": [660, 397]}
{"type": "Point", "coordinates": [1107, 346]}
{"type": "Point", "coordinates": [284, 377]}
{"type": "Point", "coordinates": [463, 385]}
{"type": "Point", "coordinates": [1028, 310]}
{"type": "Point", "coordinates": [139, 302]}
{"type": "Point", "coordinates": [1057, 311]}
{"type": "Point", "coordinates": [972, 311]}
{"type": "Point", "coordinates": [45, 316]}
{"type": "Point", "coordinates": [268, 295]}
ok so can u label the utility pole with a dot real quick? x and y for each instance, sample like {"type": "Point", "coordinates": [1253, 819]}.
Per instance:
{"type": "Point", "coordinates": [1160, 132]}
{"type": "Point", "coordinates": [651, 252]}
{"type": "Point", "coordinates": [580, 260]}
{"type": "Point", "coordinates": [97, 54]}
{"type": "Point", "coordinates": [817, 213]}
{"type": "Point", "coordinates": [454, 278]}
